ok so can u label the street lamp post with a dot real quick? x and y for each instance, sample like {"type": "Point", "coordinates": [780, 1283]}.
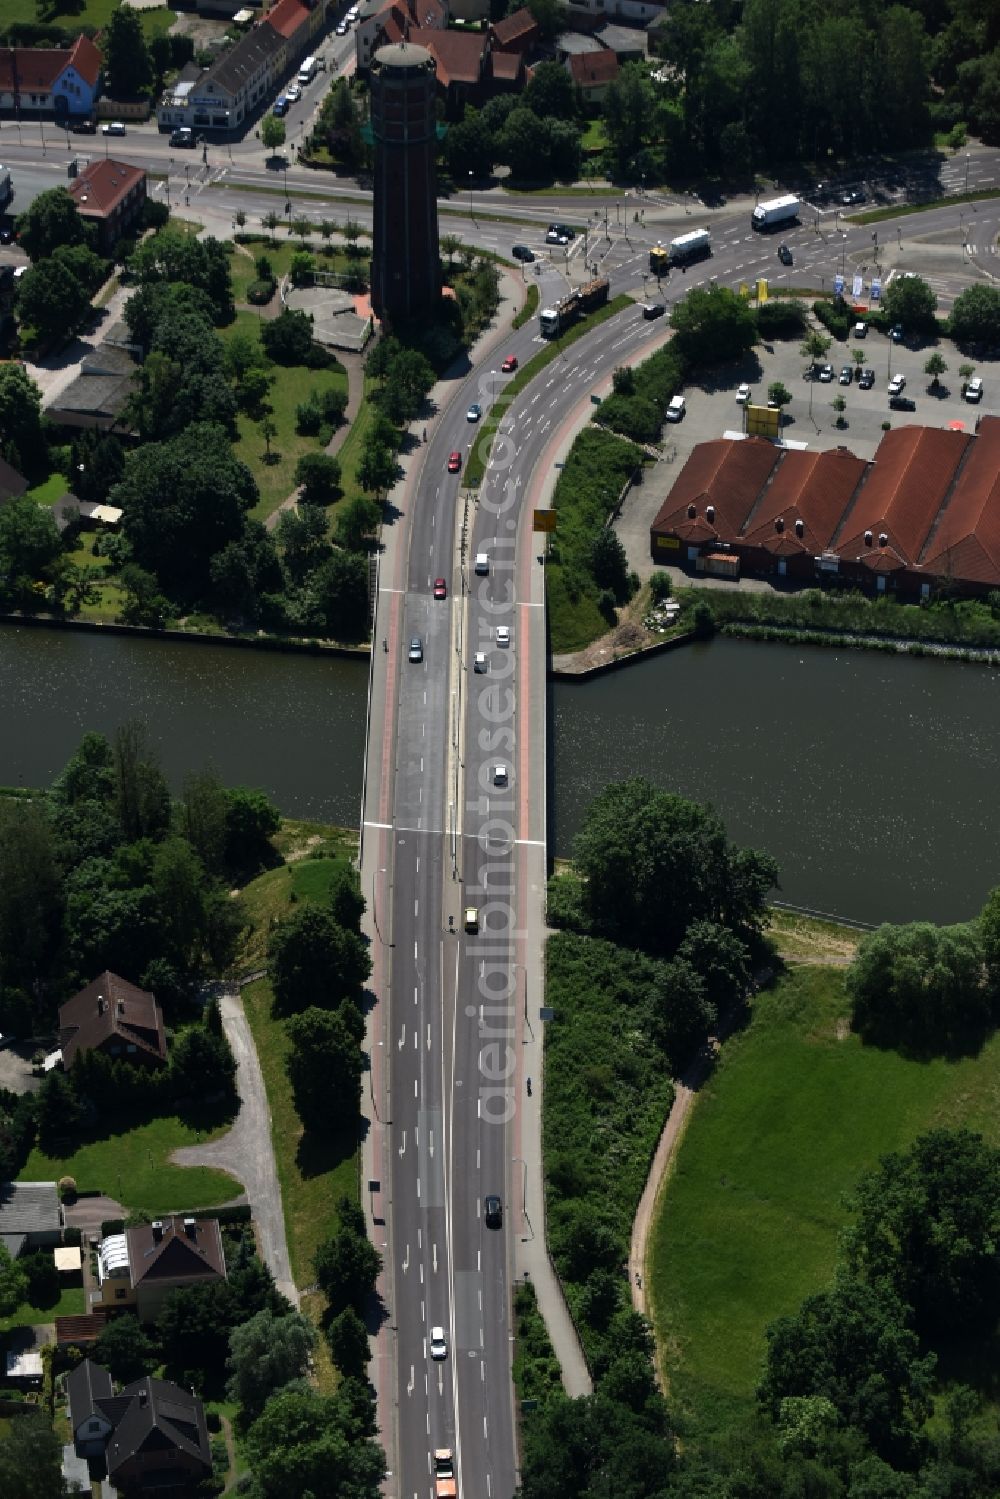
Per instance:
{"type": "Point", "coordinates": [472, 211]}
{"type": "Point", "coordinates": [968, 158]}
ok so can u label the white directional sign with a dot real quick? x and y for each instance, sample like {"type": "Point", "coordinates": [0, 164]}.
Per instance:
{"type": "Point", "coordinates": [858, 286]}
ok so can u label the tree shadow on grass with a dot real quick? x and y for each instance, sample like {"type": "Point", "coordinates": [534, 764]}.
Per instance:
{"type": "Point", "coordinates": [318, 1154]}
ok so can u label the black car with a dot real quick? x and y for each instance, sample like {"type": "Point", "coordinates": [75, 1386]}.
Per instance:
{"type": "Point", "coordinates": [493, 1211]}
{"type": "Point", "coordinates": [6, 236]}
{"type": "Point", "coordinates": [901, 403]}
{"type": "Point", "coordinates": [866, 379]}
{"type": "Point", "coordinates": [522, 252]}
{"type": "Point", "coordinates": [84, 127]}
{"type": "Point", "coordinates": [784, 255]}
{"type": "Point", "coordinates": [563, 229]}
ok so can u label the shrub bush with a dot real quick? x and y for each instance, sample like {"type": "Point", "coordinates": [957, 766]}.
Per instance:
{"type": "Point", "coordinates": [835, 316]}
{"type": "Point", "coordinates": [260, 292]}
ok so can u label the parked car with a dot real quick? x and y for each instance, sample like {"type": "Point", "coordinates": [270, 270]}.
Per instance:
{"type": "Point", "coordinates": [866, 379]}
{"type": "Point", "coordinates": [341, 28]}
{"type": "Point", "coordinates": [6, 236]}
{"type": "Point", "coordinates": [901, 403]}
{"type": "Point", "coordinates": [743, 394]}
{"type": "Point", "coordinates": [293, 92]}
{"type": "Point", "coordinates": [846, 375]}
{"type": "Point", "coordinates": [974, 390]}
{"type": "Point", "coordinates": [850, 199]}
{"type": "Point", "coordinates": [826, 374]}
{"type": "Point", "coordinates": [784, 255]}
{"type": "Point", "coordinates": [860, 330]}
{"type": "Point", "coordinates": [896, 333]}
{"type": "Point", "coordinates": [280, 107]}
{"type": "Point", "coordinates": [897, 384]}
{"type": "Point", "coordinates": [113, 127]}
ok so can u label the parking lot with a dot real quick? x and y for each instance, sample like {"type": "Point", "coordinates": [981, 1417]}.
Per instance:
{"type": "Point", "coordinates": [809, 419]}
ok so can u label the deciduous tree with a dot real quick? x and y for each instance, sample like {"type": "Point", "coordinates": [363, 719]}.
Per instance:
{"type": "Point", "coordinates": [325, 1067]}
{"type": "Point", "coordinates": [265, 1354]}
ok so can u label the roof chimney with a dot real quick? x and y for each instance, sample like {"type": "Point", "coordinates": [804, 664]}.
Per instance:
{"type": "Point", "coordinates": [100, 1004]}
{"type": "Point", "coordinates": [868, 538]}
{"type": "Point", "coordinates": [883, 539]}
{"type": "Point", "coordinates": [692, 512]}
{"type": "Point", "coordinates": [157, 1228]}
{"type": "Point", "coordinates": [800, 529]}
{"type": "Point", "coordinates": [779, 524]}
{"type": "Point", "coordinates": [710, 514]}
{"type": "Point", "coordinates": [190, 1228]}
{"type": "Point", "coordinates": [121, 1007]}
{"type": "Point", "coordinates": [143, 1399]}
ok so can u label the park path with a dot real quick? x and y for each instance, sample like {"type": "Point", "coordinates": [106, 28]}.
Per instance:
{"type": "Point", "coordinates": [246, 1151]}
{"type": "Point", "coordinates": [354, 365]}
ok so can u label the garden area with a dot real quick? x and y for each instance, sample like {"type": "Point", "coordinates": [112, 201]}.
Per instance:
{"type": "Point", "coordinates": [748, 1225]}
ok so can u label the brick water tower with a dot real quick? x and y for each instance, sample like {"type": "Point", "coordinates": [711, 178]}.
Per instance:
{"type": "Point", "coordinates": [406, 266]}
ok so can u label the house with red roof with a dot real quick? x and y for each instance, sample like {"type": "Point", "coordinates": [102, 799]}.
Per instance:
{"type": "Point", "coordinates": [925, 512]}
{"type": "Point", "coordinates": [109, 194]}
{"type": "Point", "coordinates": [516, 33]}
{"type": "Point", "coordinates": [60, 81]}
{"type": "Point", "coordinates": [592, 72]}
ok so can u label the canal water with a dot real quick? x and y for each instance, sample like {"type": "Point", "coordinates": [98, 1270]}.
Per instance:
{"type": "Point", "coordinates": [872, 779]}
{"type": "Point", "coordinates": [290, 723]}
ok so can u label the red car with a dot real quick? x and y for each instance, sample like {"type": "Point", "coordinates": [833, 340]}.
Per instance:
{"type": "Point", "coordinates": [509, 364]}
{"type": "Point", "coordinates": [440, 588]}
{"type": "Point", "coordinates": [454, 463]}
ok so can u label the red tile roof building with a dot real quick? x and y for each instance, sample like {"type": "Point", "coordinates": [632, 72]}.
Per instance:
{"type": "Point", "coordinates": [110, 195]}
{"type": "Point", "coordinates": [593, 71]}
{"type": "Point", "coordinates": [926, 509]}
{"type": "Point", "coordinates": [50, 79]}
{"type": "Point", "coordinates": [516, 33]}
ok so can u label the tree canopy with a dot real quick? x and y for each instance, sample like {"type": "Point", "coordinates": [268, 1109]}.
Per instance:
{"type": "Point", "coordinates": [921, 987]}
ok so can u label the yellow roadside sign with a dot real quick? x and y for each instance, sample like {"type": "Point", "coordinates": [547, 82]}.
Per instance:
{"type": "Point", "coordinates": [545, 520]}
{"type": "Point", "coordinates": [762, 290]}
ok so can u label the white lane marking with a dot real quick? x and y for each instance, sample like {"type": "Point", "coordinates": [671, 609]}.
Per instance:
{"type": "Point", "coordinates": [377, 824]}
{"type": "Point", "coordinates": [409, 1387]}
{"type": "Point", "coordinates": [434, 1258]}
{"type": "Point", "coordinates": [416, 908]}
{"type": "Point", "coordinates": [402, 1148]}
{"type": "Point", "coordinates": [428, 1038]}
{"type": "Point", "coordinates": [402, 1037]}
{"type": "Point", "coordinates": [406, 1262]}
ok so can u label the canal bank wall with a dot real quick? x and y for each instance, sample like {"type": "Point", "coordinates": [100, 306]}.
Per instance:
{"type": "Point", "coordinates": [194, 637]}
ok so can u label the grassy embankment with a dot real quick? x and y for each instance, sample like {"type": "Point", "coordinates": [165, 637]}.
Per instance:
{"type": "Point", "coordinates": [71, 15]}
{"type": "Point", "coordinates": [797, 1109]}
{"type": "Point", "coordinates": [313, 1175]}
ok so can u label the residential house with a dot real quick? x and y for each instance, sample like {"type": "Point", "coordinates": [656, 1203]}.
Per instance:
{"type": "Point", "coordinates": [461, 62]}
{"type": "Point", "coordinates": [592, 72]}
{"type": "Point", "coordinates": [12, 484]}
{"type": "Point", "coordinates": [233, 88]}
{"type": "Point", "coordinates": [384, 21]}
{"type": "Point", "coordinates": [153, 1435]}
{"type": "Point", "coordinates": [97, 398]}
{"type": "Point", "coordinates": [140, 1267]}
{"type": "Point", "coordinates": [238, 83]}
{"type": "Point", "coordinates": [110, 195]}
{"type": "Point", "coordinates": [113, 1016]}
{"type": "Point", "coordinates": [30, 1216]}
{"type": "Point", "coordinates": [507, 71]}
{"type": "Point", "coordinates": [64, 82]}
{"type": "Point", "coordinates": [628, 43]}
{"type": "Point", "coordinates": [516, 33]}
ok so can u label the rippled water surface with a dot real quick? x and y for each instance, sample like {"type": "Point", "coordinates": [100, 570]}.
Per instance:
{"type": "Point", "coordinates": [872, 779]}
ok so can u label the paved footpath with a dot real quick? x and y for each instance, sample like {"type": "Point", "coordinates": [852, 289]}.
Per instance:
{"type": "Point", "coordinates": [246, 1151]}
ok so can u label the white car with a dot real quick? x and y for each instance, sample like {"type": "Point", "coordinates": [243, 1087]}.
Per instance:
{"type": "Point", "coordinates": [293, 92]}
{"type": "Point", "coordinates": [499, 775]}
{"type": "Point", "coordinates": [113, 127]}
{"type": "Point", "coordinates": [743, 394]}
{"type": "Point", "coordinates": [479, 663]}
{"type": "Point", "coordinates": [439, 1345]}
{"type": "Point", "coordinates": [341, 28]}
{"type": "Point", "coordinates": [503, 635]}
{"type": "Point", "coordinates": [897, 384]}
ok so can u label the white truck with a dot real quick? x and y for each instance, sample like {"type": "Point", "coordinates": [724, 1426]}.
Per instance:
{"type": "Point", "coordinates": [307, 72]}
{"type": "Point", "coordinates": [775, 212]}
{"type": "Point", "coordinates": [690, 246]}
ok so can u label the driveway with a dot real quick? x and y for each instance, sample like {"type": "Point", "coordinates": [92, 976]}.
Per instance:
{"type": "Point", "coordinates": [246, 1151]}
{"type": "Point", "coordinates": [58, 371]}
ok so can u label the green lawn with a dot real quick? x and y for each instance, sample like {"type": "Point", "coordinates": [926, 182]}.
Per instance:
{"type": "Point", "coordinates": [748, 1225]}
{"type": "Point", "coordinates": [133, 1167]}
{"type": "Point", "coordinates": [71, 16]}
{"type": "Point", "coordinates": [313, 1174]}
{"type": "Point", "coordinates": [243, 268]}
{"type": "Point", "coordinates": [292, 383]}
{"type": "Point", "coordinates": [595, 137]}
{"type": "Point", "coordinates": [70, 1304]}
{"type": "Point", "coordinates": [50, 490]}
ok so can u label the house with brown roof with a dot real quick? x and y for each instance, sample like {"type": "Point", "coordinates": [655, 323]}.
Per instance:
{"type": "Point", "coordinates": [140, 1267]}
{"type": "Point", "coordinates": [460, 58]}
{"type": "Point", "coordinates": [153, 1434]}
{"type": "Point", "coordinates": [592, 72]}
{"type": "Point", "coordinates": [516, 33]}
{"type": "Point", "coordinates": [923, 514]}
{"type": "Point", "coordinates": [115, 1017]}
{"type": "Point", "coordinates": [64, 82]}
{"type": "Point", "coordinates": [298, 23]}
{"type": "Point", "coordinates": [382, 22]}
{"type": "Point", "coordinates": [110, 195]}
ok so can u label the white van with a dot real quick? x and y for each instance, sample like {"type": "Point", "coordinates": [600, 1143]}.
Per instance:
{"type": "Point", "coordinates": [676, 409]}
{"type": "Point", "coordinates": [482, 564]}
{"type": "Point", "coordinates": [307, 71]}
{"type": "Point", "coordinates": [974, 390]}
